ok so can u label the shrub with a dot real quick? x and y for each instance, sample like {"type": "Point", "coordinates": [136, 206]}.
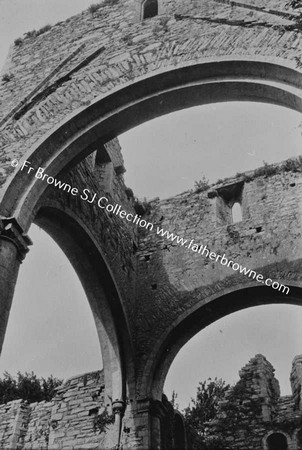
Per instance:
{"type": "Point", "coordinates": [27, 387]}
{"type": "Point", "coordinates": [110, 2]}
{"type": "Point", "coordinates": [127, 39]}
{"type": "Point", "coordinates": [129, 193]}
{"type": "Point", "coordinates": [43, 30]}
{"type": "Point", "coordinates": [7, 77]}
{"type": "Point", "coordinates": [31, 33]}
{"type": "Point", "coordinates": [94, 7]}
{"type": "Point", "coordinates": [201, 185]}
{"type": "Point", "coordinates": [101, 421]}
{"type": "Point", "coordinates": [18, 41]}
{"type": "Point", "coordinates": [142, 207]}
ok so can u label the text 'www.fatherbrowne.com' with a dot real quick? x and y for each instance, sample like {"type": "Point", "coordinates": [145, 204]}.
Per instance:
{"type": "Point", "coordinates": [222, 259]}
{"type": "Point", "coordinates": [103, 203]}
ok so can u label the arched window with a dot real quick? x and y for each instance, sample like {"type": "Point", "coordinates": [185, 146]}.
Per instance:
{"type": "Point", "coordinates": [150, 9]}
{"type": "Point", "coordinates": [277, 441]}
{"type": "Point", "coordinates": [236, 212]}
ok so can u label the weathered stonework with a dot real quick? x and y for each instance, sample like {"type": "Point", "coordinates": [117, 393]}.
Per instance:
{"type": "Point", "coordinates": [68, 421]}
{"type": "Point", "coordinates": [266, 421]}
{"type": "Point", "coordinates": [67, 94]}
{"type": "Point", "coordinates": [77, 418]}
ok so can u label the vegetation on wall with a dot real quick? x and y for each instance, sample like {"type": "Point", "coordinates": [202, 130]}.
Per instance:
{"type": "Point", "coordinates": [94, 7]}
{"type": "Point", "coordinates": [27, 387]}
{"type": "Point", "coordinates": [201, 185]}
{"type": "Point", "coordinates": [101, 421]}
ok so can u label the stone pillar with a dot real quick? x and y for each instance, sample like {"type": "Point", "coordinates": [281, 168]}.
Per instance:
{"type": "Point", "coordinates": [118, 408]}
{"type": "Point", "coordinates": [13, 248]}
{"type": "Point", "coordinates": [161, 431]}
{"type": "Point", "coordinates": [146, 425]}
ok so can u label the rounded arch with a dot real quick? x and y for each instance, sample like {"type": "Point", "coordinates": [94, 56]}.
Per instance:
{"type": "Point", "coordinates": [98, 283]}
{"type": "Point", "coordinates": [276, 440]}
{"type": "Point", "coordinates": [149, 9]}
{"type": "Point", "coordinates": [137, 102]}
{"type": "Point", "coordinates": [200, 316]}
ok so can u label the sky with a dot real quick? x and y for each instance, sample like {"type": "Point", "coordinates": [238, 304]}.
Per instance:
{"type": "Point", "coordinates": [51, 328]}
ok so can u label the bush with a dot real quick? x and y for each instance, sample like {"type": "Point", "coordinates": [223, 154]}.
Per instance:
{"type": "Point", "coordinates": [94, 7]}
{"type": "Point", "coordinates": [43, 30]}
{"type": "Point", "coordinates": [101, 421]}
{"type": "Point", "coordinates": [110, 2]}
{"type": "Point", "coordinates": [27, 387]}
{"type": "Point", "coordinates": [201, 185]}
{"type": "Point", "coordinates": [142, 207]}
{"type": "Point", "coordinates": [7, 77]}
{"type": "Point", "coordinates": [31, 33]}
{"type": "Point", "coordinates": [18, 41]}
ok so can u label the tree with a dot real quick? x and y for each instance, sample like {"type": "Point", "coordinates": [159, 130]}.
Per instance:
{"type": "Point", "coordinates": [27, 387]}
{"type": "Point", "coordinates": [203, 410]}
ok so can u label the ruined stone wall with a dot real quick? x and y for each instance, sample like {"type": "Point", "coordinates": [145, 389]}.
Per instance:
{"type": "Point", "coordinates": [258, 411]}
{"type": "Point", "coordinates": [53, 74]}
{"type": "Point", "coordinates": [173, 278]}
{"type": "Point", "coordinates": [68, 421]}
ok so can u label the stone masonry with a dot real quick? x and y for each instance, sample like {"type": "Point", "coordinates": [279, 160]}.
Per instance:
{"type": "Point", "coordinates": [66, 92]}
{"type": "Point", "coordinates": [262, 419]}
{"type": "Point", "coordinates": [68, 421]}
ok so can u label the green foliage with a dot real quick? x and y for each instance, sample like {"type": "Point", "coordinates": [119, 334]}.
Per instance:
{"type": "Point", "coordinates": [35, 33]}
{"type": "Point", "coordinates": [201, 185]}
{"type": "Point", "coordinates": [94, 8]}
{"type": "Point", "coordinates": [204, 409]}
{"type": "Point", "coordinates": [128, 39]}
{"type": "Point", "coordinates": [31, 33]}
{"type": "Point", "coordinates": [173, 400]}
{"type": "Point", "coordinates": [101, 421]}
{"type": "Point", "coordinates": [43, 30]}
{"type": "Point", "coordinates": [142, 207]}
{"type": "Point", "coordinates": [129, 193]}
{"type": "Point", "coordinates": [18, 41]}
{"type": "Point", "coordinates": [27, 387]}
{"type": "Point", "coordinates": [110, 2]}
{"type": "Point", "coordinates": [240, 410]}
{"type": "Point", "coordinates": [7, 77]}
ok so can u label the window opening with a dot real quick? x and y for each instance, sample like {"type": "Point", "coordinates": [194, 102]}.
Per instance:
{"type": "Point", "coordinates": [277, 441]}
{"type": "Point", "coordinates": [150, 9]}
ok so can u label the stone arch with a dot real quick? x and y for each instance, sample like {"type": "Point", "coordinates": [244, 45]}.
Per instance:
{"type": "Point", "coordinates": [149, 9]}
{"type": "Point", "coordinates": [194, 320]}
{"type": "Point", "coordinates": [81, 249]}
{"type": "Point", "coordinates": [149, 97]}
{"type": "Point", "coordinates": [276, 440]}
{"type": "Point", "coordinates": [237, 212]}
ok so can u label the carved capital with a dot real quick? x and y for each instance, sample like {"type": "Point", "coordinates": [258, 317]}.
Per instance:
{"type": "Point", "coordinates": [118, 407]}
{"type": "Point", "coordinates": [11, 231]}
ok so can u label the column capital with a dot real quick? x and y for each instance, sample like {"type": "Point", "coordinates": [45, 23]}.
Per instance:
{"type": "Point", "coordinates": [118, 407]}
{"type": "Point", "coordinates": [10, 230]}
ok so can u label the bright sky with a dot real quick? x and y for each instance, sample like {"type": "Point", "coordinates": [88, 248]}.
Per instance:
{"type": "Point", "coordinates": [51, 329]}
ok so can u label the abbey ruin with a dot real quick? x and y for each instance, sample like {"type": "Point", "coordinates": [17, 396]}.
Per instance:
{"type": "Point", "coordinates": [76, 418]}
{"type": "Point", "coordinates": [66, 94]}
{"type": "Point", "coordinates": [261, 418]}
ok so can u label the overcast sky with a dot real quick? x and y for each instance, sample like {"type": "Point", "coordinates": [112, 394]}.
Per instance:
{"type": "Point", "coordinates": [51, 329]}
